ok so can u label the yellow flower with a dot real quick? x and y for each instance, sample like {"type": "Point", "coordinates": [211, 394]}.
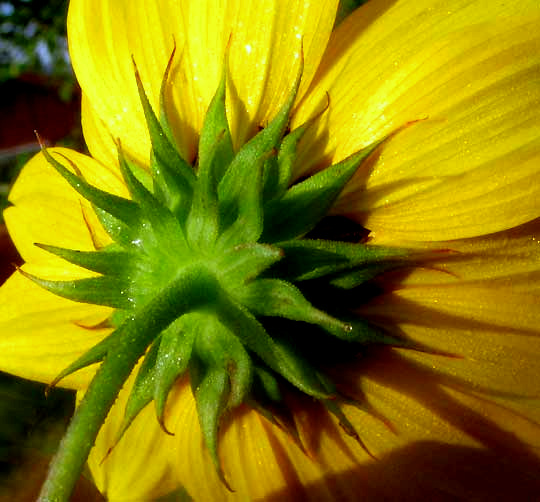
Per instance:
{"type": "Point", "coordinates": [455, 416]}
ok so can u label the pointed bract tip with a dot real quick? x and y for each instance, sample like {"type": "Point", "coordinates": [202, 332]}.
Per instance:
{"type": "Point", "coordinates": [161, 422]}
{"type": "Point", "coordinates": [134, 64]}
{"type": "Point", "coordinates": [49, 389]}
{"type": "Point", "coordinates": [40, 140]}
{"type": "Point", "coordinates": [223, 479]}
{"type": "Point", "coordinates": [53, 384]}
{"type": "Point", "coordinates": [105, 324]}
{"type": "Point", "coordinates": [106, 456]}
{"type": "Point", "coordinates": [78, 172]}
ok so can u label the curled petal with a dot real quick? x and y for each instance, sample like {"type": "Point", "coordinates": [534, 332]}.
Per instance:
{"type": "Point", "coordinates": [470, 74]}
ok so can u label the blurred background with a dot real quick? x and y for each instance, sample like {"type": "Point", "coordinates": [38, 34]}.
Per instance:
{"type": "Point", "coordinates": [38, 92]}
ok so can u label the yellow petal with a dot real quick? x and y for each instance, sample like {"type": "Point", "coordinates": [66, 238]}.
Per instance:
{"type": "Point", "coordinates": [435, 425]}
{"type": "Point", "coordinates": [492, 332]}
{"type": "Point", "coordinates": [423, 426]}
{"type": "Point", "coordinates": [97, 137]}
{"type": "Point", "coordinates": [42, 333]}
{"type": "Point", "coordinates": [471, 70]}
{"type": "Point", "coordinates": [509, 259]}
{"type": "Point", "coordinates": [265, 36]}
{"type": "Point", "coordinates": [103, 35]}
{"type": "Point", "coordinates": [139, 468]}
{"type": "Point", "coordinates": [258, 459]}
{"type": "Point", "coordinates": [47, 210]}
{"type": "Point", "coordinates": [480, 304]}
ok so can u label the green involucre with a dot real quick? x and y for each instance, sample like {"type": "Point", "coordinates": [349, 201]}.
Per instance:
{"type": "Point", "coordinates": [234, 229]}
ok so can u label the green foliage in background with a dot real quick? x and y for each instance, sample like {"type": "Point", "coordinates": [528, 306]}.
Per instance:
{"type": "Point", "coordinates": [31, 423]}
{"type": "Point", "coordinates": [33, 39]}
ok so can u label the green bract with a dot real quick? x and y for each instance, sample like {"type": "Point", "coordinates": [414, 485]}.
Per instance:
{"type": "Point", "coordinates": [211, 273]}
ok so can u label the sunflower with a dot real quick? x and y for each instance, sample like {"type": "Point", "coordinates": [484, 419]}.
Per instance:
{"type": "Point", "coordinates": [316, 245]}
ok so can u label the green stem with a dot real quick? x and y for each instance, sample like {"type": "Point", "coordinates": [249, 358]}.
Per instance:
{"type": "Point", "coordinates": [84, 427]}
{"type": "Point", "coordinates": [191, 289]}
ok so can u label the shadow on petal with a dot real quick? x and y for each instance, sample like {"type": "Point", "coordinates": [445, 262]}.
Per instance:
{"type": "Point", "coordinates": [428, 470]}
{"type": "Point", "coordinates": [438, 393]}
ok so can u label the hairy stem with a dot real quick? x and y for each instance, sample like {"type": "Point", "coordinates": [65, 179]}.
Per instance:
{"type": "Point", "coordinates": [193, 288]}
